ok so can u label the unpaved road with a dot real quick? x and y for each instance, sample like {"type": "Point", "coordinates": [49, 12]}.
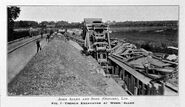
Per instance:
{"type": "Point", "coordinates": [20, 57]}
{"type": "Point", "coordinates": [60, 69]}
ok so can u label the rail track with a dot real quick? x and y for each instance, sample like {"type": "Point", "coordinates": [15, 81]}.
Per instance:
{"type": "Point", "coordinates": [17, 40]}
{"type": "Point", "coordinates": [13, 48]}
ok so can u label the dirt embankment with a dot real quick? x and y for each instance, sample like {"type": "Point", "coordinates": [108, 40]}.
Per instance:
{"type": "Point", "coordinates": [59, 69]}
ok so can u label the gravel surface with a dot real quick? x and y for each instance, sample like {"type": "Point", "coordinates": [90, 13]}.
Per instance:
{"type": "Point", "coordinates": [59, 69]}
{"type": "Point", "coordinates": [19, 58]}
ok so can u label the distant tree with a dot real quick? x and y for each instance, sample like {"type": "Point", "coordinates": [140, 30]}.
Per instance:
{"type": "Point", "coordinates": [43, 24]}
{"type": "Point", "coordinates": [25, 24]}
{"type": "Point", "coordinates": [51, 23]}
{"type": "Point", "coordinates": [61, 24]}
{"type": "Point", "coordinates": [13, 13]}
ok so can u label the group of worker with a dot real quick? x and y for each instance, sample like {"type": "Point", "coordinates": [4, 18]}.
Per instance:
{"type": "Point", "coordinates": [38, 40]}
{"type": "Point", "coordinates": [48, 36]}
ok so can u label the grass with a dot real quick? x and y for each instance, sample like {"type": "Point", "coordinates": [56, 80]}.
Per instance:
{"type": "Point", "coordinates": [155, 39]}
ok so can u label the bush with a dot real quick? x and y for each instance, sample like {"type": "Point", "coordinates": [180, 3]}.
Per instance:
{"type": "Point", "coordinates": [20, 34]}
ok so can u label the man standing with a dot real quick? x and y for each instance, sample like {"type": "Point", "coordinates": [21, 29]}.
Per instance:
{"type": "Point", "coordinates": [47, 38]}
{"type": "Point", "coordinates": [38, 45]}
{"type": "Point", "coordinates": [41, 35]}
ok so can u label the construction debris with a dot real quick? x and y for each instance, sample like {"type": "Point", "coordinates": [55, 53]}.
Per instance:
{"type": "Point", "coordinates": [142, 60]}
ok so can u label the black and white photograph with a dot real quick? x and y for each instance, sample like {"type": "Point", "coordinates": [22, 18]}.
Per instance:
{"type": "Point", "coordinates": [92, 50]}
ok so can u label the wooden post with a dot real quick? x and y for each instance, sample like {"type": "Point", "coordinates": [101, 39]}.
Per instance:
{"type": "Point", "coordinates": [137, 85]}
{"type": "Point", "coordinates": [126, 82]}
{"type": "Point", "coordinates": [117, 70]}
{"type": "Point", "coordinates": [126, 79]}
{"type": "Point", "coordinates": [123, 77]}
{"type": "Point", "coordinates": [161, 89]}
{"type": "Point", "coordinates": [148, 89]}
{"type": "Point", "coordinates": [153, 90]}
{"type": "Point", "coordinates": [135, 90]}
{"type": "Point", "coordinates": [121, 73]}
{"type": "Point", "coordinates": [130, 83]}
{"type": "Point", "coordinates": [133, 84]}
{"type": "Point", "coordinates": [113, 69]}
{"type": "Point", "coordinates": [143, 89]}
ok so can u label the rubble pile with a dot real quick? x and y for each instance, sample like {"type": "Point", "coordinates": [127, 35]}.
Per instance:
{"type": "Point", "coordinates": [59, 69]}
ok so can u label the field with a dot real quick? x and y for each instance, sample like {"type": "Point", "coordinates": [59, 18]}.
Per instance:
{"type": "Point", "coordinates": [154, 39]}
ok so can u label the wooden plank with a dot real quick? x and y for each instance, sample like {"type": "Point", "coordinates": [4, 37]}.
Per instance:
{"type": "Point", "coordinates": [136, 74]}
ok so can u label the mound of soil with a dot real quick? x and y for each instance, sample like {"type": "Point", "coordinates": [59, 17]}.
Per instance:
{"type": "Point", "coordinates": [59, 69]}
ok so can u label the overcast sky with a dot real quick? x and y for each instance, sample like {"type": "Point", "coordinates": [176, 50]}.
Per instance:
{"type": "Point", "coordinates": [112, 13]}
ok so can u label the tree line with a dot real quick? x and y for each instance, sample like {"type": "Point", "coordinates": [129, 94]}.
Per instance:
{"type": "Point", "coordinates": [65, 24]}
{"type": "Point", "coordinates": [44, 24]}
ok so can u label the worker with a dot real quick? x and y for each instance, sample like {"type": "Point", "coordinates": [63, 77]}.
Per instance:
{"type": "Point", "coordinates": [38, 45]}
{"type": "Point", "coordinates": [66, 36]}
{"type": "Point", "coordinates": [47, 38]}
{"type": "Point", "coordinates": [41, 35]}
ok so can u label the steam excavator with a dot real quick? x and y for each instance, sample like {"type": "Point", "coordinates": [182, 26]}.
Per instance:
{"type": "Point", "coordinates": [97, 40]}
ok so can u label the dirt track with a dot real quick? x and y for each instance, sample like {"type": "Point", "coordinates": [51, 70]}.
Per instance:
{"type": "Point", "coordinates": [20, 57]}
{"type": "Point", "coordinates": [60, 69]}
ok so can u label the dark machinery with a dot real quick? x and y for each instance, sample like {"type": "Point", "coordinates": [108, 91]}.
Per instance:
{"type": "Point", "coordinates": [97, 40]}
